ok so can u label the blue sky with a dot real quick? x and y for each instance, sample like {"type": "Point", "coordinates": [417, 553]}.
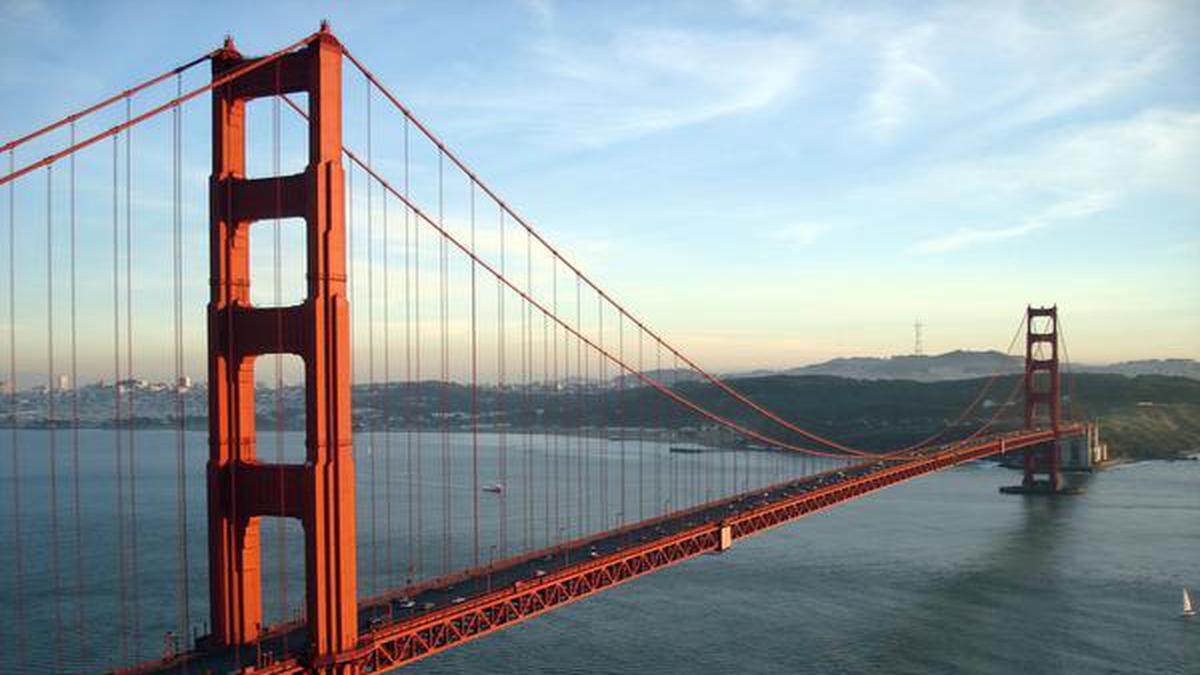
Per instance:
{"type": "Point", "coordinates": [772, 183]}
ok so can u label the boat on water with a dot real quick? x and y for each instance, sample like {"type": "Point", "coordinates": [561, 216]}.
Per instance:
{"type": "Point", "coordinates": [1188, 608]}
{"type": "Point", "coordinates": [495, 488]}
{"type": "Point", "coordinates": [686, 450]}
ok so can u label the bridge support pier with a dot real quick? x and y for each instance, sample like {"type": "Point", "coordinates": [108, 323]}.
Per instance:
{"type": "Point", "coordinates": [241, 488]}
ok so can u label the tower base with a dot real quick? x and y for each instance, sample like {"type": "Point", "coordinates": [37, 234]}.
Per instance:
{"type": "Point", "coordinates": [1041, 488]}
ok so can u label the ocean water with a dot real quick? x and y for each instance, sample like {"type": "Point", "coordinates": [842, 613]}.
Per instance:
{"type": "Point", "coordinates": [939, 575]}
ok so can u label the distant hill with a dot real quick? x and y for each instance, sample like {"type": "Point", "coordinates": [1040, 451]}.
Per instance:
{"type": "Point", "coordinates": [670, 376]}
{"type": "Point", "coordinates": [1189, 368]}
{"type": "Point", "coordinates": [956, 365]}
{"type": "Point", "coordinates": [964, 364]}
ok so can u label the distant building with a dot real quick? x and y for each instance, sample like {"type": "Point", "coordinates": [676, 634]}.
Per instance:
{"type": "Point", "coordinates": [64, 383]}
{"type": "Point", "coordinates": [131, 384]}
{"type": "Point", "coordinates": [184, 383]}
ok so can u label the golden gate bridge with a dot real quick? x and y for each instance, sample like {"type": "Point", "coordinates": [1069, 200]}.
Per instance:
{"type": "Point", "coordinates": [517, 450]}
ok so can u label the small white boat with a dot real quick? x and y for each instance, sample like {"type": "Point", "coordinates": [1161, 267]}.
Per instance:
{"type": "Point", "coordinates": [496, 488]}
{"type": "Point", "coordinates": [1188, 608]}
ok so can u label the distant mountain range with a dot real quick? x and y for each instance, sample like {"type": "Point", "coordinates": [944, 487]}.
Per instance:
{"type": "Point", "coordinates": [963, 364]}
{"type": "Point", "coordinates": [1189, 368]}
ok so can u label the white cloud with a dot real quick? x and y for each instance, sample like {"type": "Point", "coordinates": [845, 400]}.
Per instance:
{"type": "Point", "coordinates": [1075, 90]}
{"type": "Point", "coordinates": [1098, 165]}
{"type": "Point", "coordinates": [639, 81]}
{"type": "Point", "coordinates": [650, 80]}
{"type": "Point", "coordinates": [974, 68]}
{"type": "Point", "coordinates": [1156, 149]}
{"type": "Point", "coordinates": [903, 79]}
{"type": "Point", "coordinates": [966, 237]}
{"type": "Point", "coordinates": [799, 234]}
{"type": "Point", "coordinates": [1079, 207]}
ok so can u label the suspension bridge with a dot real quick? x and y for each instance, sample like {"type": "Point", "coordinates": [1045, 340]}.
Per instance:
{"type": "Point", "coordinates": [431, 426]}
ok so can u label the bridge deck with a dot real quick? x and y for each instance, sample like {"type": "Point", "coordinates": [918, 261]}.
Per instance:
{"type": "Point", "coordinates": [443, 613]}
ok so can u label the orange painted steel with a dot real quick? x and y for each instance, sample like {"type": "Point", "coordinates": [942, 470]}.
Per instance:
{"type": "Point", "coordinates": [242, 489]}
{"type": "Point", "coordinates": [397, 644]}
{"type": "Point", "coordinates": [1043, 399]}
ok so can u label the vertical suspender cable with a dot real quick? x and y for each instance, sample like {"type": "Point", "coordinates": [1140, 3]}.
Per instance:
{"type": "Point", "coordinates": [594, 399]}
{"type": "Point", "coordinates": [18, 549]}
{"type": "Point", "coordinates": [444, 358]}
{"type": "Point", "coordinates": [697, 483]}
{"type": "Point", "coordinates": [737, 454]}
{"type": "Point", "coordinates": [557, 392]}
{"type": "Point", "coordinates": [135, 596]}
{"type": "Point", "coordinates": [51, 418]}
{"type": "Point", "coordinates": [390, 562]}
{"type": "Point", "coordinates": [416, 274]}
{"type": "Point", "coordinates": [658, 409]}
{"type": "Point", "coordinates": [580, 382]}
{"type": "Point", "coordinates": [621, 406]}
{"type": "Point", "coordinates": [501, 349]}
{"type": "Point", "coordinates": [409, 404]}
{"type": "Point", "coordinates": [641, 436]}
{"type": "Point", "coordinates": [677, 501]}
{"type": "Point", "coordinates": [118, 442]}
{"type": "Point", "coordinates": [374, 571]}
{"type": "Point", "coordinates": [182, 591]}
{"type": "Point", "coordinates": [722, 480]}
{"type": "Point", "coordinates": [602, 382]}
{"type": "Point", "coordinates": [77, 513]}
{"type": "Point", "coordinates": [474, 392]}
{"type": "Point", "coordinates": [547, 434]}
{"type": "Point", "coordinates": [589, 400]}
{"type": "Point", "coordinates": [527, 494]}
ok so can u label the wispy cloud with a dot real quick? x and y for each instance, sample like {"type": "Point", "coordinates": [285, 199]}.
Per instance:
{"type": "Point", "coordinates": [975, 67]}
{"type": "Point", "coordinates": [799, 234]}
{"type": "Point", "coordinates": [1070, 91]}
{"type": "Point", "coordinates": [651, 80]}
{"type": "Point", "coordinates": [1156, 150]}
{"type": "Point", "coordinates": [583, 90]}
{"type": "Point", "coordinates": [903, 78]}
{"type": "Point", "coordinates": [1069, 209]}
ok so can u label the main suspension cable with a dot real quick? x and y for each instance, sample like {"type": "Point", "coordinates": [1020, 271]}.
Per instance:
{"type": "Point", "coordinates": [126, 94]}
{"type": "Point", "coordinates": [996, 373]}
{"type": "Point", "coordinates": [225, 79]}
{"type": "Point", "coordinates": [503, 281]}
{"type": "Point", "coordinates": [720, 384]}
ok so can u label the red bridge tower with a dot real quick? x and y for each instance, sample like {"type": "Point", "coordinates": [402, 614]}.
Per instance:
{"type": "Point", "coordinates": [241, 488]}
{"type": "Point", "coordinates": [1043, 400]}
